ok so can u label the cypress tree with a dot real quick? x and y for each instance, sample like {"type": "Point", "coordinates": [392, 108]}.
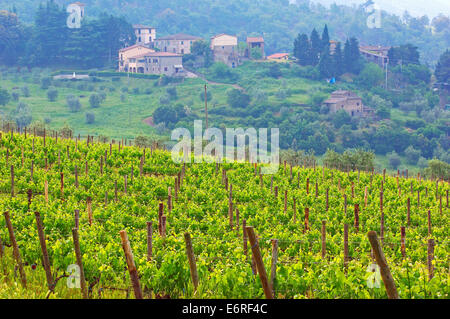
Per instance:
{"type": "Point", "coordinates": [302, 49]}
{"type": "Point", "coordinates": [338, 60]}
{"type": "Point", "coordinates": [347, 58]}
{"type": "Point", "coordinates": [325, 39]}
{"type": "Point", "coordinates": [316, 47]}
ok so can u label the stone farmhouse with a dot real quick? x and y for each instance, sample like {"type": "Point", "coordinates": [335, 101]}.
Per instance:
{"type": "Point", "coordinates": [255, 42]}
{"type": "Point", "coordinates": [145, 35]}
{"type": "Point", "coordinates": [349, 102]}
{"type": "Point", "coordinates": [225, 49]}
{"type": "Point", "coordinates": [178, 43]}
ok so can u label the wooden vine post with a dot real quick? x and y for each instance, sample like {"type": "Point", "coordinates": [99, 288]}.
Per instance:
{"type": "Point", "coordinates": [357, 218]}
{"type": "Point", "coordinates": [191, 257]}
{"type": "Point", "coordinates": [89, 209]}
{"type": "Point", "coordinates": [273, 268]}
{"type": "Point", "coordinates": [16, 251]}
{"type": "Point", "coordinates": [12, 180]}
{"type": "Point", "coordinates": [385, 272]}
{"type": "Point", "coordinates": [259, 262]}
{"type": "Point", "coordinates": [45, 259]}
{"type": "Point", "coordinates": [403, 235]}
{"type": "Point", "coordinates": [131, 265]}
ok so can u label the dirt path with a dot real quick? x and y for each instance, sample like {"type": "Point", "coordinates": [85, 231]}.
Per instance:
{"type": "Point", "coordinates": [149, 121]}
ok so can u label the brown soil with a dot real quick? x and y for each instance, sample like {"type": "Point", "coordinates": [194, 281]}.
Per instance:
{"type": "Point", "coordinates": [149, 121]}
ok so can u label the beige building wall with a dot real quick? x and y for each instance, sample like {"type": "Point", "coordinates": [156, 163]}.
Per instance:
{"type": "Point", "coordinates": [223, 40]}
{"type": "Point", "coordinates": [128, 53]}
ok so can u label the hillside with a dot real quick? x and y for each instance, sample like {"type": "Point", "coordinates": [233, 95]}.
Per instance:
{"type": "Point", "coordinates": [277, 20]}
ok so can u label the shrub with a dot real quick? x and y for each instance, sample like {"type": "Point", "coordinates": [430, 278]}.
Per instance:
{"type": "Point", "coordinates": [172, 93]}
{"type": "Point", "coordinates": [95, 100]}
{"type": "Point", "coordinates": [237, 98]}
{"type": "Point", "coordinates": [23, 115]}
{"type": "Point", "coordinates": [73, 103]}
{"type": "Point", "coordinates": [25, 91]}
{"type": "Point", "coordinates": [394, 159]}
{"type": "Point", "coordinates": [52, 94]}
{"type": "Point", "coordinates": [90, 118]}
{"type": "Point", "coordinates": [4, 96]}
{"type": "Point", "coordinates": [15, 96]}
{"type": "Point", "coordinates": [45, 83]}
{"type": "Point", "coordinates": [412, 155]}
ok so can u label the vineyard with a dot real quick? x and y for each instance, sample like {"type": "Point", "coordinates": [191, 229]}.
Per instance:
{"type": "Point", "coordinates": [142, 226]}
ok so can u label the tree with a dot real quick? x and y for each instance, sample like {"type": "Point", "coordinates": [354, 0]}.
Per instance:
{"type": "Point", "coordinates": [340, 118]}
{"type": "Point", "coordinates": [404, 54]}
{"type": "Point", "coordinates": [327, 67]}
{"type": "Point", "coordinates": [4, 96]}
{"type": "Point", "coordinates": [441, 23]}
{"type": "Point", "coordinates": [347, 57]}
{"type": "Point", "coordinates": [73, 103]}
{"type": "Point", "coordinates": [394, 160]}
{"type": "Point", "coordinates": [12, 41]}
{"type": "Point", "coordinates": [302, 49]}
{"type": "Point", "coordinates": [46, 82]}
{"type": "Point", "coordinates": [338, 60]}
{"type": "Point", "coordinates": [412, 155]}
{"type": "Point", "coordinates": [90, 118]}
{"type": "Point", "coordinates": [316, 47]}
{"type": "Point", "coordinates": [372, 75]}
{"type": "Point", "coordinates": [208, 96]}
{"type": "Point", "coordinates": [442, 71]}
{"type": "Point", "coordinates": [23, 115]}
{"type": "Point", "coordinates": [95, 100]}
{"type": "Point", "coordinates": [325, 39]}
{"type": "Point", "coordinates": [52, 94]}
{"type": "Point", "coordinates": [172, 92]}
{"type": "Point", "coordinates": [274, 70]}
{"type": "Point", "coordinates": [201, 49]}
{"type": "Point", "coordinates": [237, 99]}
{"type": "Point", "coordinates": [255, 53]}
{"type": "Point", "coordinates": [165, 114]}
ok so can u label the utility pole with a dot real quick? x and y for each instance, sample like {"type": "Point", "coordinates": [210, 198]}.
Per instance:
{"type": "Point", "coordinates": [206, 107]}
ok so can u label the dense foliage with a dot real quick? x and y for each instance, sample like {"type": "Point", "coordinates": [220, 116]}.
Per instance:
{"type": "Point", "coordinates": [201, 208]}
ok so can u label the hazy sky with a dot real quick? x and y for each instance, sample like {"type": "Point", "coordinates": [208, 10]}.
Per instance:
{"type": "Point", "coordinates": [415, 7]}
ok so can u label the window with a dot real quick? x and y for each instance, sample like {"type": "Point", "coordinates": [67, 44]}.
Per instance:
{"type": "Point", "coordinates": [139, 31]}
{"type": "Point", "coordinates": [165, 68]}
{"type": "Point", "coordinates": [140, 39]}
{"type": "Point", "coordinates": [182, 51]}
{"type": "Point", "coordinates": [182, 42]}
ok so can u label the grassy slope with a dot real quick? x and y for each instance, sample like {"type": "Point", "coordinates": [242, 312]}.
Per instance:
{"type": "Point", "coordinates": [118, 119]}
